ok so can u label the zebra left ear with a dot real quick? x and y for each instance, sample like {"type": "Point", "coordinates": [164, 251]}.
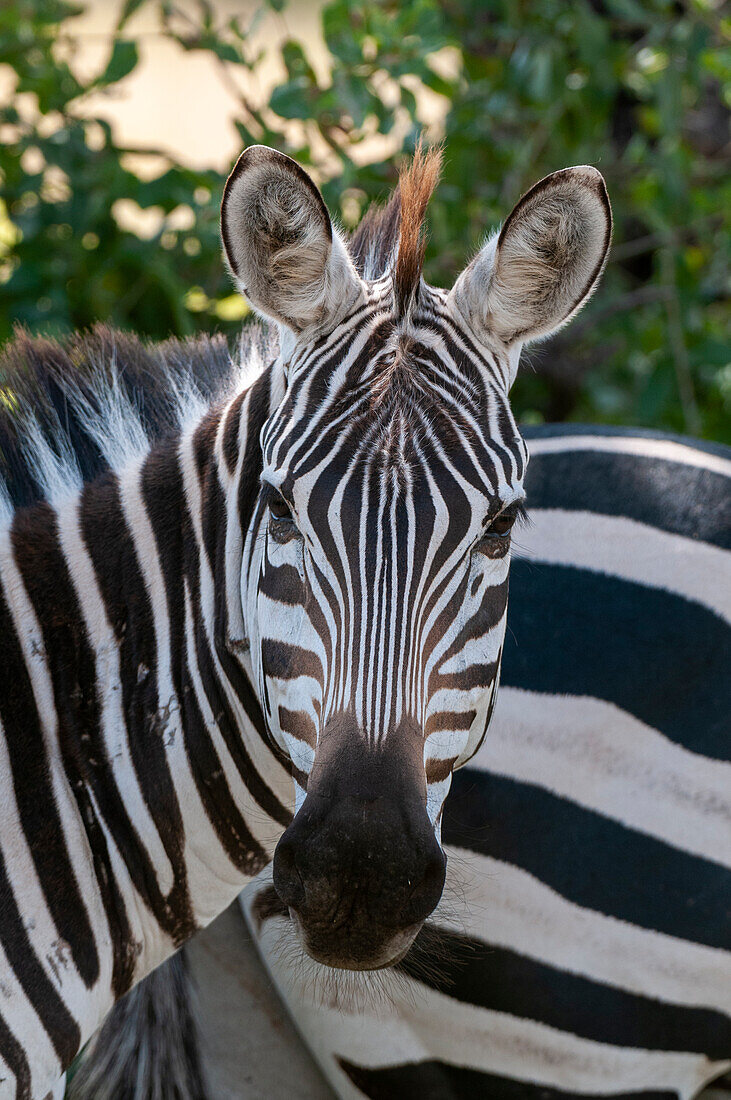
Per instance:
{"type": "Point", "coordinates": [280, 243]}
{"type": "Point", "coordinates": [546, 262]}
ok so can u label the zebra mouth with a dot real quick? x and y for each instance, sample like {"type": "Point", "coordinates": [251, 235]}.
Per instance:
{"type": "Point", "coordinates": [343, 951]}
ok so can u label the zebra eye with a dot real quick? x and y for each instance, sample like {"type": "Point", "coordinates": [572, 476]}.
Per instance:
{"type": "Point", "coordinates": [495, 539]}
{"type": "Point", "coordinates": [502, 525]}
{"type": "Point", "coordinates": [279, 508]}
{"type": "Point", "coordinates": [282, 525]}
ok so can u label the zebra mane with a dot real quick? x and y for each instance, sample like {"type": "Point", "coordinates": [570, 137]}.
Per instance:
{"type": "Point", "coordinates": [74, 407]}
{"type": "Point", "coordinates": [393, 236]}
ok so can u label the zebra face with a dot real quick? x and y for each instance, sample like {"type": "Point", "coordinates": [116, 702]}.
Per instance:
{"type": "Point", "coordinates": [375, 590]}
{"type": "Point", "coordinates": [380, 607]}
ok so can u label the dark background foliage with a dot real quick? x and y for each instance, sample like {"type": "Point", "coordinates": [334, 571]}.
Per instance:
{"type": "Point", "coordinates": [639, 88]}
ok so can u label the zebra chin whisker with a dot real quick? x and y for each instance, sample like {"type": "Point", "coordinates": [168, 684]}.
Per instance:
{"type": "Point", "coordinates": [354, 992]}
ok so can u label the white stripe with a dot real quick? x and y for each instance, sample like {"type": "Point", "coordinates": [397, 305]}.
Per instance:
{"type": "Point", "coordinates": [145, 544]}
{"type": "Point", "coordinates": [504, 905]}
{"type": "Point", "coordinates": [666, 449]}
{"type": "Point", "coordinates": [599, 756]}
{"type": "Point", "coordinates": [261, 756]}
{"type": "Point", "coordinates": [633, 551]}
{"type": "Point", "coordinates": [59, 1091]}
{"type": "Point", "coordinates": [234, 549]}
{"type": "Point", "coordinates": [476, 651]}
{"type": "Point", "coordinates": [203, 855]}
{"type": "Point", "coordinates": [213, 877]}
{"type": "Point", "coordinates": [146, 937]}
{"type": "Point", "coordinates": [53, 954]}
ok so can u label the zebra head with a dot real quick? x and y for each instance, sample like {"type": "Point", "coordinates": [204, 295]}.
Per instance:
{"type": "Point", "coordinates": [375, 578]}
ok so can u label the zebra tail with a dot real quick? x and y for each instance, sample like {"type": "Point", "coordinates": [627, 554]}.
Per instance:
{"type": "Point", "coordinates": [149, 1046]}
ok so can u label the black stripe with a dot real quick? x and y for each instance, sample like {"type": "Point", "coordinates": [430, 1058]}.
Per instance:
{"type": "Point", "coordinates": [214, 533]}
{"type": "Point", "coordinates": [283, 661]}
{"type": "Point", "coordinates": [284, 584]}
{"type": "Point", "coordinates": [230, 441]}
{"type": "Point", "coordinates": [653, 653]}
{"type": "Point", "coordinates": [257, 410]}
{"type": "Point", "coordinates": [14, 1057]}
{"type": "Point", "coordinates": [680, 499]}
{"type": "Point", "coordinates": [231, 826]}
{"type": "Point", "coordinates": [258, 403]}
{"type": "Point", "coordinates": [595, 862]}
{"type": "Point", "coordinates": [472, 356]}
{"type": "Point", "coordinates": [722, 1084]}
{"type": "Point", "coordinates": [213, 523]}
{"type": "Point", "coordinates": [59, 1024]}
{"type": "Point", "coordinates": [486, 617]}
{"type": "Point", "coordinates": [502, 980]}
{"type": "Point", "coordinates": [435, 1080]}
{"type": "Point", "coordinates": [294, 432]}
{"type": "Point", "coordinates": [73, 674]}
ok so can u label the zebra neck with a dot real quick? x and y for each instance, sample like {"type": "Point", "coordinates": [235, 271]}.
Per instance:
{"type": "Point", "coordinates": [139, 791]}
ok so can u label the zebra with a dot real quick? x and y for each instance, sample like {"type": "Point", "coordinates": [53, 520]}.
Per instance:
{"type": "Point", "coordinates": [273, 636]}
{"type": "Point", "coordinates": [537, 977]}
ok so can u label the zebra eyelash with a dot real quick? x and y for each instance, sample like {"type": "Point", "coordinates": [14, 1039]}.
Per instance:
{"type": "Point", "coordinates": [492, 541]}
{"type": "Point", "coordinates": [521, 513]}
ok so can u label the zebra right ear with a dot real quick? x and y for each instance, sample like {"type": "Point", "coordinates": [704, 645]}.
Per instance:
{"type": "Point", "coordinates": [280, 243]}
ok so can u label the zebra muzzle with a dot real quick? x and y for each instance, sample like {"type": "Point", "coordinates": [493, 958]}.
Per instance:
{"type": "Point", "coordinates": [360, 868]}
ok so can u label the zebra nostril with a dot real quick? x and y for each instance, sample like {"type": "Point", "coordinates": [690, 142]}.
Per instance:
{"type": "Point", "coordinates": [287, 879]}
{"type": "Point", "coordinates": [426, 894]}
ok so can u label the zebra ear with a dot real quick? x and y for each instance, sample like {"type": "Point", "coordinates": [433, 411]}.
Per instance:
{"type": "Point", "coordinates": [280, 243]}
{"type": "Point", "coordinates": [545, 263]}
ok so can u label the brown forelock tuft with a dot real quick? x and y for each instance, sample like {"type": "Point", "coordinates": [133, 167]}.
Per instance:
{"type": "Point", "coordinates": [416, 185]}
{"type": "Point", "coordinates": [399, 222]}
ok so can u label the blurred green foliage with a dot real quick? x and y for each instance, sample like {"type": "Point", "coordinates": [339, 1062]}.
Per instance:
{"type": "Point", "coordinates": [640, 88]}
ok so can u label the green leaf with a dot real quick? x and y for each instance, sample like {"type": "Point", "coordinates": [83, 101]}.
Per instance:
{"type": "Point", "coordinates": [122, 62]}
{"type": "Point", "coordinates": [290, 100]}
